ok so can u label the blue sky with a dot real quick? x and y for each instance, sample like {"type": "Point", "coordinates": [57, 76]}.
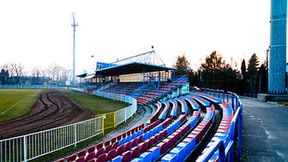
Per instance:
{"type": "Point", "coordinates": [38, 32]}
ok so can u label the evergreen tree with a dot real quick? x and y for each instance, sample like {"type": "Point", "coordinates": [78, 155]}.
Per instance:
{"type": "Point", "coordinates": [243, 70]}
{"type": "Point", "coordinates": [252, 66]}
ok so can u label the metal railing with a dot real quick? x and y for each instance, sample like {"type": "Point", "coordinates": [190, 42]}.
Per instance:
{"type": "Point", "coordinates": [31, 146]}
{"type": "Point", "coordinates": [122, 115]}
{"type": "Point", "coordinates": [234, 134]}
{"type": "Point", "coordinates": [34, 145]}
{"type": "Point", "coordinates": [23, 86]}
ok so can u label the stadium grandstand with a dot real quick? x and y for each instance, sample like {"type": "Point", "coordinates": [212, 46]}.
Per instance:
{"type": "Point", "coordinates": [198, 125]}
{"type": "Point", "coordinates": [175, 132]}
{"type": "Point", "coordinates": [143, 76]}
{"type": "Point", "coordinates": [204, 125]}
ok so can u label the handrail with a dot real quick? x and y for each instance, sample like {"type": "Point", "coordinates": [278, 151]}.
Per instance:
{"type": "Point", "coordinates": [218, 144]}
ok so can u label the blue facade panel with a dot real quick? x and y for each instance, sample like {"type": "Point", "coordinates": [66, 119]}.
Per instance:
{"type": "Point", "coordinates": [277, 57]}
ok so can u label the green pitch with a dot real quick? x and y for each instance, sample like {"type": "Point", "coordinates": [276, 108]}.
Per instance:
{"type": "Point", "coordinates": [97, 105]}
{"type": "Point", "coordinates": [16, 102]}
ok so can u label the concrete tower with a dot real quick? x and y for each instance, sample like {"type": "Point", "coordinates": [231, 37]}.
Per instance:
{"type": "Point", "coordinates": [277, 57]}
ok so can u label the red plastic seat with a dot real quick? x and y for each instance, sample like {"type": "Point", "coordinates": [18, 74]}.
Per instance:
{"type": "Point", "coordinates": [81, 153]}
{"type": "Point", "coordinates": [60, 160]}
{"type": "Point", "coordinates": [113, 140]}
{"type": "Point", "coordinates": [163, 146]}
{"type": "Point", "coordinates": [92, 160]}
{"type": "Point", "coordinates": [134, 142]}
{"type": "Point", "coordinates": [91, 149]}
{"type": "Point", "coordinates": [91, 156]}
{"type": "Point", "coordinates": [135, 152]}
{"type": "Point", "coordinates": [126, 157]}
{"type": "Point", "coordinates": [111, 154]}
{"type": "Point", "coordinates": [144, 147]}
{"type": "Point", "coordinates": [101, 158]}
{"type": "Point", "coordinates": [99, 146]}
{"type": "Point", "coordinates": [150, 142]}
{"type": "Point", "coordinates": [115, 145]}
{"type": "Point", "coordinates": [128, 146]}
{"type": "Point", "coordinates": [119, 137]}
{"type": "Point", "coordinates": [108, 148]}
{"type": "Point", "coordinates": [81, 159]}
{"type": "Point", "coordinates": [140, 139]}
{"type": "Point", "coordinates": [120, 150]}
{"type": "Point", "coordinates": [107, 143]}
{"type": "Point", "coordinates": [71, 158]}
{"type": "Point", "coordinates": [100, 152]}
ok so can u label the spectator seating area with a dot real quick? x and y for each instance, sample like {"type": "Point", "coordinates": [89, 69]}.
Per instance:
{"type": "Point", "coordinates": [172, 133]}
{"type": "Point", "coordinates": [144, 93]}
{"type": "Point", "coordinates": [164, 89]}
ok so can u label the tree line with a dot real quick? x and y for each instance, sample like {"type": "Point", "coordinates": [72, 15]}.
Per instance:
{"type": "Point", "coordinates": [215, 73]}
{"type": "Point", "coordinates": [13, 73]}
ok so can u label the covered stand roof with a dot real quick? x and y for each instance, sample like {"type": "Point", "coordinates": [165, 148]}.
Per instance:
{"type": "Point", "coordinates": [130, 68]}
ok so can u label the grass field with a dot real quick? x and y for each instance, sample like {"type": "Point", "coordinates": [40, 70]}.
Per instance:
{"type": "Point", "coordinates": [97, 105]}
{"type": "Point", "coordinates": [16, 102]}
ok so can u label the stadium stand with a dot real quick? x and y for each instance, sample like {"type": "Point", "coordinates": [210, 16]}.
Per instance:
{"type": "Point", "coordinates": [165, 88]}
{"type": "Point", "coordinates": [169, 135]}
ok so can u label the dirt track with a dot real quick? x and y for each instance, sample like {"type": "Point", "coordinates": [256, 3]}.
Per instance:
{"type": "Point", "coordinates": [52, 109]}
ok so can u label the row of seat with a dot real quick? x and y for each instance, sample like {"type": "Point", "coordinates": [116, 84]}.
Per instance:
{"type": "Point", "coordinates": [150, 134]}
{"type": "Point", "coordinates": [186, 146]}
{"type": "Point", "coordinates": [192, 103]}
{"type": "Point", "coordinates": [223, 129]}
{"type": "Point", "coordinates": [103, 147]}
{"type": "Point", "coordinates": [155, 152]}
{"type": "Point", "coordinates": [157, 112]}
{"type": "Point", "coordinates": [164, 89]}
{"type": "Point", "coordinates": [149, 139]}
{"type": "Point", "coordinates": [211, 98]}
{"type": "Point", "coordinates": [116, 144]}
{"type": "Point", "coordinates": [164, 112]}
{"type": "Point", "coordinates": [202, 101]}
{"type": "Point", "coordinates": [184, 107]}
{"type": "Point", "coordinates": [174, 108]}
{"type": "Point", "coordinates": [162, 138]}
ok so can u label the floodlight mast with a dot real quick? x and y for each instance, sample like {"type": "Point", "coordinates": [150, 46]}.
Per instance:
{"type": "Point", "coordinates": [74, 25]}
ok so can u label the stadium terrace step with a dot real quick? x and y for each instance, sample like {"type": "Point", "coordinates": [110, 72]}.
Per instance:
{"type": "Point", "coordinates": [192, 103]}
{"type": "Point", "coordinates": [202, 101]}
{"type": "Point", "coordinates": [223, 129]}
{"type": "Point", "coordinates": [210, 98]}
{"type": "Point", "coordinates": [169, 135]}
{"type": "Point", "coordinates": [163, 114]}
{"type": "Point", "coordinates": [174, 108]}
{"type": "Point", "coordinates": [190, 141]}
{"type": "Point", "coordinates": [184, 107]}
{"type": "Point", "coordinates": [156, 114]}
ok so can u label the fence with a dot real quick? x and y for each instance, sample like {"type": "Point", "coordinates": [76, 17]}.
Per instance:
{"type": "Point", "coordinates": [235, 131]}
{"type": "Point", "coordinates": [122, 115]}
{"type": "Point", "coordinates": [113, 119]}
{"type": "Point", "coordinates": [23, 86]}
{"type": "Point", "coordinates": [31, 146]}
{"type": "Point", "coordinates": [34, 145]}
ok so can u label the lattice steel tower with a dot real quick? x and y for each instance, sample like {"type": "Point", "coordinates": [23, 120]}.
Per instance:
{"type": "Point", "coordinates": [277, 57]}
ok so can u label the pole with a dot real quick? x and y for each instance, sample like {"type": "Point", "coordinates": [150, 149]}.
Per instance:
{"type": "Point", "coordinates": [74, 25]}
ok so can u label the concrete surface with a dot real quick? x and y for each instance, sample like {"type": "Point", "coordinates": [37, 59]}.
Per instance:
{"type": "Point", "coordinates": [265, 131]}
